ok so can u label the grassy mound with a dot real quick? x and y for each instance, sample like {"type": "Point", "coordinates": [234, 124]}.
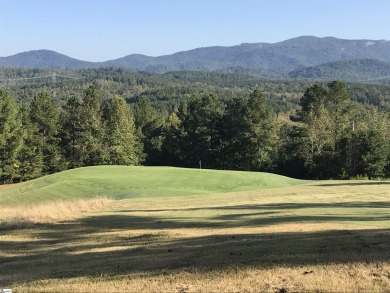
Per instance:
{"type": "Point", "coordinates": [121, 182]}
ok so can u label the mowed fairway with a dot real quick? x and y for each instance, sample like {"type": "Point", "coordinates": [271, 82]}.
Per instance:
{"type": "Point", "coordinates": [215, 234]}
{"type": "Point", "coordinates": [120, 182]}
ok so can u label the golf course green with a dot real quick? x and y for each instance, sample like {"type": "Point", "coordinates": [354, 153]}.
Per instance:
{"type": "Point", "coordinates": [122, 182]}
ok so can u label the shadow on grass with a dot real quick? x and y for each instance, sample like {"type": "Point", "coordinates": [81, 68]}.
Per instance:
{"type": "Point", "coordinates": [231, 220]}
{"type": "Point", "coordinates": [87, 248]}
{"type": "Point", "coordinates": [364, 183]}
{"type": "Point", "coordinates": [279, 206]}
{"type": "Point", "coordinates": [149, 253]}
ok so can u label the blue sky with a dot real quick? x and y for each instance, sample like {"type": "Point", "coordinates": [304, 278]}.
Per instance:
{"type": "Point", "coordinates": [99, 30]}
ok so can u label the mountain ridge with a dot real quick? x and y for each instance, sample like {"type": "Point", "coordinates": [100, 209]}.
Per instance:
{"type": "Point", "coordinates": [280, 58]}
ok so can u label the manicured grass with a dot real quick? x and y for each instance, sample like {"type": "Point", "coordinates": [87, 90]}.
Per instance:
{"type": "Point", "coordinates": [121, 182]}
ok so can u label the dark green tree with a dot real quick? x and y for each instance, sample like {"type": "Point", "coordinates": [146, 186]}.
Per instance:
{"type": "Point", "coordinates": [11, 138]}
{"type": "Point", "coordinates": [91, 147]}
{"type": "Point", "coordinates": [312, 101]}
{"type": "Point", "coordinates": [72, 133]}
{"type": "Point", "coordinates": [148, 123]}
{"type": "Point", "coordinates": [248, 134]}
{"type": "Point", "coordinates": [44, 116]}
{"type": "Point", "coordinates": [374, 146]}
{"type": "Point", "coordinates": [235, 136]}
{"type": "Point", "coordinates": [30, 156]}
{"type": "Point", "coordinates": [289, 160]}
{"type": "Point", "coordinates": [339, 104]}
{"type": "Point", "coordinates": [200, 140]}
{"type": "Point", "coordinates": [263, 132]}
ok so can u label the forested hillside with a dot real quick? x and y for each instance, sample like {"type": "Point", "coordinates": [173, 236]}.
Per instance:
{"type": "Point", "coordinates": [56, 120]}
{"type": "Point", "coordinates": [367, 70]}
{"type": "Point", "coordinates": [166, 90]}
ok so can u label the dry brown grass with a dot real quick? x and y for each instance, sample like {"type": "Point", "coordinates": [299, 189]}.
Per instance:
{"type": "Point", "coordinates": [358, 277]}
{"type": "Point", "coordinates": [314, 238]}
{"type": "Point", "coordinates": [28, 215]}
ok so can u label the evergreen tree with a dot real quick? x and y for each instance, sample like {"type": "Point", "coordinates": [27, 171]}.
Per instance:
{"type": "Point", "coordinates": [339, 104]}
{"type": "Point", "coordinates": [11, 138]}
{"type": "Point", "coordinates": [72, 133]}
{"type": "Point", "coordinates": [171, 147]}
{"type": "Point", "coordinates": [148, 123]}
{"type": "Point", "coordinates": [30, 156]}
{"type": "Point", "coordinates": [121, 138]}
{"type": "Point", "coordinates": [263, 132]}
{"type": "Point", "coordinates": [290, 161]}
{"type": "Point", "coordinates": [44, 116]}
{"type": "Point", "coordinates": [235, 136]}
{"type": "Point", "coordinates": [312, 101]}
{"type": "Point", "coordinates": [200, 141]}
{"type": "Point", "coordinates": [248, 134]}
{"type": "Point", "coordinates": [91, 147]}
{"type": "Point", "coordinates": [374, 144]}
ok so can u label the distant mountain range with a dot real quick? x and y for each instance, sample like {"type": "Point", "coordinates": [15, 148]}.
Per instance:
{"type": "Point", "coordinates": [352, 70]}
{"type": "Point", "coordinates": [302, 57]}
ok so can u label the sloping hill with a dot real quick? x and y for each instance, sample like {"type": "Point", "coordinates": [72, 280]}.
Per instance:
{"type": "Point", "coordinates": [121, 182]}
{"type": "Point", "coordinates": [353, 70]}
{"type": "Point", "coordinates": [44, 59]}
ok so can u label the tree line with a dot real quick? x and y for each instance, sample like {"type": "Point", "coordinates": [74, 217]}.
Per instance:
{"type": "Point", "coordinates": [330, 136]}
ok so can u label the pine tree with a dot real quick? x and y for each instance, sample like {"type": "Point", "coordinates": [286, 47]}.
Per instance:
{"type": "Point", "coordinates": [235, 136]}
{"type": "Point", "coordinates": [262, 131]}
{"type": "Point", "coordinates": [374, 144]}
{"type": "Point", "coordinates": [200, 141]}
{"type": "Point", "coordinates": [71, 133]}
{"type": "Point", "coordinates": [44, 116]}
{"type": "Point", "coordinates": [11, 138]}
{"type": "Point", "coordinates": [339, 104]}
{"type": "Point", "coordinates": [121, 138]}
{"type": "Point", "coordinates": [312, 101]}
{"type": "Point", "coordinates": [148, 123]}
{"type": "Point", "coordinates": [171, 145]}
{"type": "Point", "coordinates": [30, 156]}
{"type": "Point", "coordinates": [91, 147]}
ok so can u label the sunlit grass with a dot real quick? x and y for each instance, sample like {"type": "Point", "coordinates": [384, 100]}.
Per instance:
{"type": "Point", "coordinates": [359, 277]}
{"type": "Point", "coordinates": [27, 215]}
{"type": "Point", "coordinates": [319, 237]}
{"type": "Point", "coordinates": [239, 240]}
{"type": "Point", "coordinates": [120, 182]}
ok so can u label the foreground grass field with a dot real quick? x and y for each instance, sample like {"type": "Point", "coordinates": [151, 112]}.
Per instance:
{"type": "Point", "coordinates": [316, 237]}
